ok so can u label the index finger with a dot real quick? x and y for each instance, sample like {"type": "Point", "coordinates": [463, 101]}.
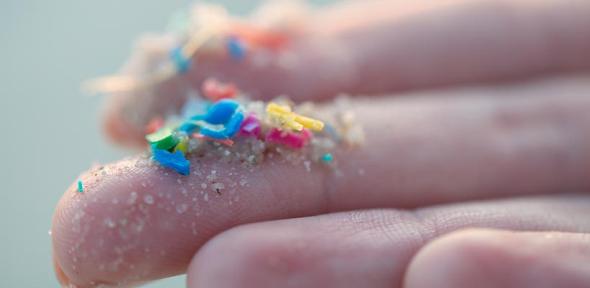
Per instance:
{"type": "Point", "coordinates": [136, 221]}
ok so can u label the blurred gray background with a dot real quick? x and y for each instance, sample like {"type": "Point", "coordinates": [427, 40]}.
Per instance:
{"type": "Point", "coordinates": [49, 128]}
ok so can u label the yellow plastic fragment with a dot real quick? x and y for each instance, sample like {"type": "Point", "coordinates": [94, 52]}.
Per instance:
{"type": "Point", "coordinates": [182, 146]}
{"type": "Point", "coordinates": [292, 120]}
{"type": "Point", "coordinates": [309, 123]}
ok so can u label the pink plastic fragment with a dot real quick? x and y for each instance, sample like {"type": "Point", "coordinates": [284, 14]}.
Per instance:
{"type": "Point", "coordinates": [250, 126]}
{"type": "Point", "coordinates": [294, 140]}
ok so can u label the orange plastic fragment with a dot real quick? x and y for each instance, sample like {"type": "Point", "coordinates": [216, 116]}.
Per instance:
{"type": "Point", "coordinates": [226, 142]}
{"type": "Point", "coordinates": [259, 37]}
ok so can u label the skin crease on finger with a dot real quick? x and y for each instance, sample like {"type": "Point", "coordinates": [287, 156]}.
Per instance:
{"type": "Point", "coordinates": [373, 248]}
{"type": "Point", "coordinates": [136, 221]}
{"type": "Point", "coordinates": [403, 46]}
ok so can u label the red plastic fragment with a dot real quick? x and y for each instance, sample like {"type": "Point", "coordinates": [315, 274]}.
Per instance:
{"type": "Point", "coordinates": [215, 90]}
{"type": "Point", "coordinates": [154, 125]}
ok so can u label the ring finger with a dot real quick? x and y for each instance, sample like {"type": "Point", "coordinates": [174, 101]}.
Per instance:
{"type": "Point", "coordinates": [374, 248]}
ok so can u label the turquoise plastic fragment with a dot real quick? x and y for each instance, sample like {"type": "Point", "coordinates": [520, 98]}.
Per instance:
{"type": "Point", "coordinates": [175, 161]}
{"type": "Point", "coordinates": [80, 186]}
{"type": "Point", "coordinates": [236, 48]}
{"type": "Point", "coordinates": [328, 157]}
{"type": "Point", "coordinates": [181, 63]}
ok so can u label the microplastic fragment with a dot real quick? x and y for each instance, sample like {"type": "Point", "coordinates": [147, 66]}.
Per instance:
{"type": "Point", "coordinates": [181, 63]}
{"type": "Point", "coordinates": [80, 186]}
{"type": "Point", "coordinates": [174, 160]}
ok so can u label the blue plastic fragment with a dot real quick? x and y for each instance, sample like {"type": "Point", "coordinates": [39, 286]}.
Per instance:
{"type": "Point", "coordinates": [224, 112]}
{"type": "Point", "coordinates": [181, 63]}
{"type": "Point", "coordinates": [236, 48]}
{"type": "Point", "coordinates": [229, 130]}
{"type": "Point", "coordinates": [220, 112]}
{"type": "Point", "coordinates": [233, 125]}
{"type": "Point", "coordinates": [212, 133]}
{"type": "Point", "coordinates": [174, 160]}
{"type": "Point", "coordinates": [332, 132]}
{"type": "Point", "coordinates": [188, 127]}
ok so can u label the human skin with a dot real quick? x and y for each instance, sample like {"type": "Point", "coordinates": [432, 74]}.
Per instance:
{"type": "Point", "coordinates": [476, 116]}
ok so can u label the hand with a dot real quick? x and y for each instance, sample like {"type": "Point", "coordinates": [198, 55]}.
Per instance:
{"type": "Point", "coordinates": [439, 157]}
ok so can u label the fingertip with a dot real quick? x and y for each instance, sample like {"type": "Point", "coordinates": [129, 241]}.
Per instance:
{"type": "Point", "coordinates": [255, 255]}
{"type": "Point", "coordinates": [450, 261]}
{"type": "Point", "coordinates": [136, 221]}
{"type": "Point", "coordinates": [100, 233]}
{"type": "Point", "coordinates": [495, 258]}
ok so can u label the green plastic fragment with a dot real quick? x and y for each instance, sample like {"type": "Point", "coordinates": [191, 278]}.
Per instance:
{"type": "Point", "coordinates": [162, 139]}
{"type": "Point", "coordinates": [328, 157]}
{"type": "Point", "coordinates": [80, 186]}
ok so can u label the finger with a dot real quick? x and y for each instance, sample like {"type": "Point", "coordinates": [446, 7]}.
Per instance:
{"type": "Point", "coordinates": [367, 248]}
{"type": "Point", "coordinates": [425, 151]}
{"type": "Point", "coordinates": [400, 47]}
{"type": "Point", "coordinates": [491, 258]}
{"type": "Point", "coordinates": [127, 113]}
{"type": "Point", "coordinates": [440, 43]}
